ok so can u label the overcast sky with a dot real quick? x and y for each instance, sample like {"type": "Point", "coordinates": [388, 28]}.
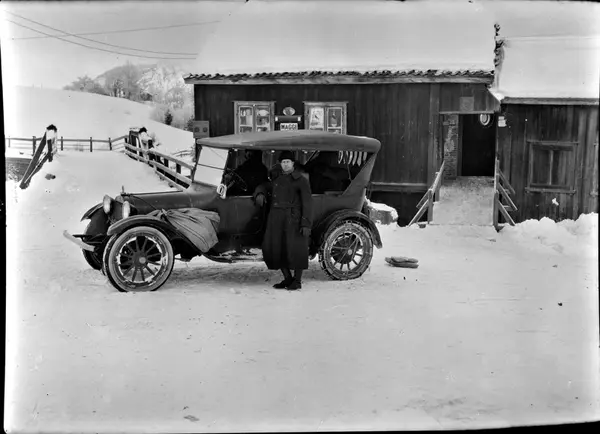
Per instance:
{"type": "Point", "coordinates": [30, 58]}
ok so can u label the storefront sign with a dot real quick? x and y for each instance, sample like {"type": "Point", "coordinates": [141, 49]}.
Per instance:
{"type": "Point", "coordinates": [288, 126]}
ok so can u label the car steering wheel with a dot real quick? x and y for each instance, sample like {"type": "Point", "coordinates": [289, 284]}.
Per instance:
{"type": "Point", "coordinates": [236, 179]}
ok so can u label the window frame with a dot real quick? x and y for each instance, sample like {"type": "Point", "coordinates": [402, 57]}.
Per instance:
{"type": "Point", "coordinates": [554, 147]}
{"type": "Point", "coordinates": [327, 107]}
{"type": "Point", "coordinates": [237, 105]}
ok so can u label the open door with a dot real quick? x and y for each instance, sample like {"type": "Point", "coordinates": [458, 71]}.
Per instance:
{"type": "Point", "coordinates": [478, 151]}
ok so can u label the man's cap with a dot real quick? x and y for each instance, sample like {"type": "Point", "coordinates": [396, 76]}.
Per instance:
{"type": "Point", "coordinates": [287, 155]}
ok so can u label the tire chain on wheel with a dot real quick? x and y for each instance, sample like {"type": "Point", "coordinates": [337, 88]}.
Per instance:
{"type": "Point", "coordinates": [322, 261]}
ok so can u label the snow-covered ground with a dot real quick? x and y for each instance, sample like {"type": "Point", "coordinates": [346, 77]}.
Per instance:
{"type": "Point", "coordinates": [493, 329]}
{"type": "Point", "coordinates": [79, 115]}
{"type": "Point", "coordinates": [465, 200]}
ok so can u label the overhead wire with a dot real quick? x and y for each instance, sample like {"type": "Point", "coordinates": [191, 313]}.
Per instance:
{"type": "Point", "coordinates": [109, 32]}
{"type": "Point", "coordinates": [99, 42]}
{"type": "Point", "coordinates": [97, 48]}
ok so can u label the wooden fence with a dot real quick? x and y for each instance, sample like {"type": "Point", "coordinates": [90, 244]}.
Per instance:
{"type": "Point", "coordinates": [169, 168]}
{"type": "Point", "coordinates": [90, 144]}
{"type": "Point", "coordinates": [175, 171]}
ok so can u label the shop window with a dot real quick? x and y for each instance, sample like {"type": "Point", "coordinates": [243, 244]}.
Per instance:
{"type": "Point", "coordinates": [325, 116]}
{"type": "Point", "coordinates": [551, 166]}
{"type": "Point", "coordinates": [253, 116]}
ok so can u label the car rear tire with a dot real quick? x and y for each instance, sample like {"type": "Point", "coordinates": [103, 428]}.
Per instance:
{"type": "Point", "coordinates": [348, 245]}
{"type": "Point", "coordinates": [138, 260]}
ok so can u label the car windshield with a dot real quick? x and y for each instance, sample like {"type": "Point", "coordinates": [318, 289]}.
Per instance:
{"type": "Point", "coordinates": [210, 166]}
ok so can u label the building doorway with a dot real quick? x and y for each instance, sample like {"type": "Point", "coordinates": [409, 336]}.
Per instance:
{"type": "Point", "coordinates": [478, 150]}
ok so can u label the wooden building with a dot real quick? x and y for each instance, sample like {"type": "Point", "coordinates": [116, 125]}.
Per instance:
{"type": "Point", "coordinates": [378, 69]}
{"type": "Point", "coordinates": [547, 139]}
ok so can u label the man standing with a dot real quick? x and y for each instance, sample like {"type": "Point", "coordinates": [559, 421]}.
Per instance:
{"type": "Point", "coordinates": [286, 241]}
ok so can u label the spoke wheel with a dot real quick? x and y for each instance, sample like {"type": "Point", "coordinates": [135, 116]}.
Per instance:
{"type": "Point", "coordinates": [138, 260]}
{"type": "Point", "coordinates": [347, 251]}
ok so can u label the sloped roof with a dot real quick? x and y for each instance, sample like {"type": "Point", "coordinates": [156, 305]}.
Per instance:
{"type": "Point", "coordinates": [427, 38]}
{"type": "Point", "coordinates": [566, 67]}
{"type": "Point", "coordinates": [550, 50]}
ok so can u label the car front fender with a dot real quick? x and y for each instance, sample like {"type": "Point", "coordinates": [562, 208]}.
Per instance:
{"type": "Point", "coordinates": [339, 216]}
{"type": "Point", "coordinates": [90, 212]}
{"type": "Point", "coordinates": [141, 220]}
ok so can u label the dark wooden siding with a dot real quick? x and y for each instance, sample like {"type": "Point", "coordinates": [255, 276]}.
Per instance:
{"type": "Point", "coordinates": [451, 95]}
{"type": "Point", "coordinates": [562, 123]}
{"type": "Point", "coordinates": [404, 117]}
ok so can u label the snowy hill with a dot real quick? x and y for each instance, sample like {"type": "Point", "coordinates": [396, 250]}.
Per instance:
{"type": "Point", "coordinates": [80, 115]}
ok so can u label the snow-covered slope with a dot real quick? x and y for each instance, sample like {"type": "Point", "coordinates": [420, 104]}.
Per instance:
{"type": "Point", "coordinates": [491, 330]}
{"type": "Point", "coordinates": [78, 115]}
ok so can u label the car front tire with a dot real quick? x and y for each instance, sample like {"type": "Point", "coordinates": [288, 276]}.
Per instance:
{"type": "Point", "coordinates": [138, 260]}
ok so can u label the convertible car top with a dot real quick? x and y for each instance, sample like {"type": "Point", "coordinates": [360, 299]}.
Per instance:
{"type": "Point", "coordinates": [308, 140]}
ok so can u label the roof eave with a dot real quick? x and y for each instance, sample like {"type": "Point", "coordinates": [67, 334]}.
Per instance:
{"type": "Point", "coordinates": [485, 77]}
{"type": "Point", "coordinates": [549, 101]}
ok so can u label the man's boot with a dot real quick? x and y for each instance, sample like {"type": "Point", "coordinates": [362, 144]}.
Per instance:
{"type": "Point", "coordinates": [297, 282]}
{"type": "Point", "coordinates": [286, 281]}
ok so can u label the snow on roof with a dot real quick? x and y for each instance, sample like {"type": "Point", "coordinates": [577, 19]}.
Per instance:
{"type": "Point", "coordinates": [564, 67]}
{"type": "Point", "coordinates": [360, 36]}
{"type": "Point", "coordinates": [551, 49]}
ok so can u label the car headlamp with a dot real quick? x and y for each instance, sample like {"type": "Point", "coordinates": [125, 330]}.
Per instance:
{"type": "Point", "coordinates": [126, 209]}
{"type": "Point", "coordinates": [106, 203]}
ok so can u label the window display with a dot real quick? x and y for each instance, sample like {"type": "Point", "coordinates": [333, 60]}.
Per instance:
{"type": "Point", "coordinates": [253, 116]}
{"type": "Point", "coordinates": [326, 116]}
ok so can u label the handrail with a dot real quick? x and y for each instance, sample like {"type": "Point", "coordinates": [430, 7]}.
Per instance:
{"type": "Point", "coordinates": [431, 196]}
{"type": "Point", "coordinates": [161, 164]}
{"type": "Point", "coordinates": [502, 192]}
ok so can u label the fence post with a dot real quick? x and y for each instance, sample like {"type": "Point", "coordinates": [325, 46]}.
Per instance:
{"type": "Point", "coordinates": [430, 206]}
{"type": "Point", "coordinates": [91, 146]}
{"type": "Point", "coordinates": [33, 143]}
{"type": "Point", "coordinates": [61, 143]}
{"type": "Point", "coordinates": [178, 168]}
{"type": "Point", "coordinates": [109, 144]}
{"type": "Point", "coordinates": [9, 142]}
{"type": "Point", "coordinates": [49, 142]}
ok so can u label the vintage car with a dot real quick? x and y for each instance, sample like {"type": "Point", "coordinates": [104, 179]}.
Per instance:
{"type": "Point", "coordinates": [137, 250]}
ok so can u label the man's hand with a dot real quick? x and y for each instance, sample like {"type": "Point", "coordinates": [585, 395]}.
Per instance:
{"type": "Point", "coordinates": [305, 231]}
{"type": "Point", "coordinates": [260, 199]}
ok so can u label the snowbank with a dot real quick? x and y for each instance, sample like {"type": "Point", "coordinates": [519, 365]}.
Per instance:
{"type": "Point", "coordinates": [567, 237]}
{"type": "Point", "coordinates": [79, 115]}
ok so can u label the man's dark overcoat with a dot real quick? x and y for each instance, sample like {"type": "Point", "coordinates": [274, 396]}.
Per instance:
{"type": "Point", "coordinates": [290, 200]}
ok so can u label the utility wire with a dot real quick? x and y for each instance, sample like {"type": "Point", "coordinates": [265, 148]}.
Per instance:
{"type": "Point", "coordinates": [96, 48]}
{"type": "Point", "coordinates": [106, 32]}
{"type": "Point", "coordinates": [98, 42]}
